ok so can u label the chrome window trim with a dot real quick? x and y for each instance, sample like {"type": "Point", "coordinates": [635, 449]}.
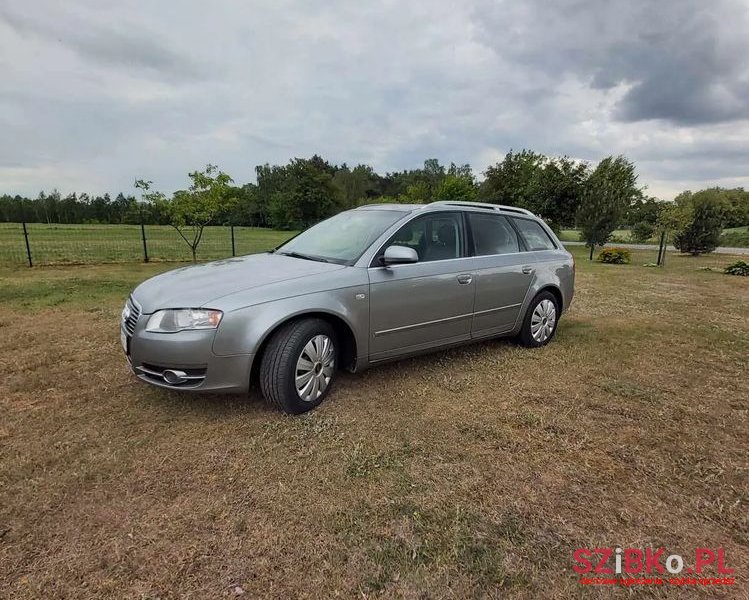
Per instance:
{"type": "Point", "coordinates": [460, 258]}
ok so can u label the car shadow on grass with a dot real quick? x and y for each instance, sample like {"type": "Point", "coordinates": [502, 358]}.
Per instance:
{"type": "Point", "coordinates": [378, 377]}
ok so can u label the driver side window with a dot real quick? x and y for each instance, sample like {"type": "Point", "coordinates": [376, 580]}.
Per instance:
{"type": "Point", "coordinates": [437, 236]}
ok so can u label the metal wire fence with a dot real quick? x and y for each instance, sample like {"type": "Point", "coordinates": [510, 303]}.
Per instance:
{"type": "Point", "coordinates": [42, 244]}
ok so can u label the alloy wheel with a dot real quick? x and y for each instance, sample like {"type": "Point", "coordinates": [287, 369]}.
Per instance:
{"type": "Point", "coordinates": [314, 368]}
{"type": "Point", "coordinates": [543, 320]}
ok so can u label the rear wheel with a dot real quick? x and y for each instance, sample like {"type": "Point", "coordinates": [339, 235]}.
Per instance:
{"type": "Point", "coordinates": [299, 365]}
{"type": "Point", "coordinates": [540, 323]}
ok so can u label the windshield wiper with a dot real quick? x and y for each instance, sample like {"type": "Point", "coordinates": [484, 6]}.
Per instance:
{"type": "Point", "coordinates": [305, 256]}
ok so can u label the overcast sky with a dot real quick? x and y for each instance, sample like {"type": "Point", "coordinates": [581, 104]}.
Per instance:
{"type": "Point", "coordinates": [94, 94]}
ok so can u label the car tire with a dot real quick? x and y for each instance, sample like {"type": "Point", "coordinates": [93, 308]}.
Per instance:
{"type": "Point", "coordinates": [298, 367]}
{"type": "Point", "coordinates": [540, 322]}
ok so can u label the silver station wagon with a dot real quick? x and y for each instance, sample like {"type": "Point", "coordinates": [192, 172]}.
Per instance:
{"type": "Point", "coordinates": [366, 286]}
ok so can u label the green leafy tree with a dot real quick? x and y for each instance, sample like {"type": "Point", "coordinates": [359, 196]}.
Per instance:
{"type": "Point", "coordinates": [550, 187]}
{"type": "Point", "coordinates": [303, 193]}
{"type": "Point", "coordinates": [642, 231]}
{"type": "Point", "coordinates": [513, 181]}
{"type": "Point", "coordinates": [607, 194]}
{"type": "Point", "coordinates": [737, 208]}
{"type": "Point", "coordinates": [643, 218]}
{"type": "Point", "coordinates": [189, 211]}
{"type": "Point", "coordinates": [704, 221]}
{"type": "Point", "coordinates": [417, 193]}
{"type": "Point", "coordinates": [459, 188]}
{"type": "Point", "coordinates": [356, 185]}
{"type": "Point", "coordinates": [557, 191]}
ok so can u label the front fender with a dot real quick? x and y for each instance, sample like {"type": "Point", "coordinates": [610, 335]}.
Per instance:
{"type": "Point", "coordinates": [243, 331]}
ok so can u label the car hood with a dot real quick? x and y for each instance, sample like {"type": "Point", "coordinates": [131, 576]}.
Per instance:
{"type": "Point", "coordinates": [203, 285]}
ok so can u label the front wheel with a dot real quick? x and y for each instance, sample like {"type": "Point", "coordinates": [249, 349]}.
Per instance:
{"type": "Point", "coordinates": [540, 323]}
{"type": "Point", "coordinates": [299, 365]}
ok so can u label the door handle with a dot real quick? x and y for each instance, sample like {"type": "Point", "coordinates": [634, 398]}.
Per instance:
{"type": "Point", "coordinates": [464, 279]}
{"type": "Point", "coordinates": [527, 269]}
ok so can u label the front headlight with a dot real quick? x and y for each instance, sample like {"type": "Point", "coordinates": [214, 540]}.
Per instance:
{"type": "Point", "coordinates": [179, 319]}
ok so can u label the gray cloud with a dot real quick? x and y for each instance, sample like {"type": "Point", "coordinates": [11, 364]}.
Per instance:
{"type": "Point", "coordinates": [683, 61]}
{"type": "Point", "coordinates": [105, 44]}
{"type": "Point", "coordinates": [95, 95]}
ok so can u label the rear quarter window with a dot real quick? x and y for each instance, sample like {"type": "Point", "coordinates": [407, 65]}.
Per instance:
{"type": "Point", "coordinates": [534, 235]}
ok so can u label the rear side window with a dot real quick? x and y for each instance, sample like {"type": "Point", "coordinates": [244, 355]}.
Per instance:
{"type": "Point", "coordinates": [534, 235]}
{"type": "Point", "coordinates": [492, 234]}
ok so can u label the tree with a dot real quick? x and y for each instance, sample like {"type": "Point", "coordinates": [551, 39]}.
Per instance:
{"type": "Point", "coordinates": [642, 231]}
{"type": "Point", "coordinates": [550, 187]}
{"type": "Point", "coordinates": [355, 185]}
{"type": "Point", "coordinates": [513, 181]}
{"type": "Point", "coordinates": [417, 193]}
{"type": "Point", "coordinates": [189, 211]}
{"type": "Point", "coordinates": [301, 193]}
{"type": "Point", "coordinates": [454, 187]}
{"type": "Point", "coordinates": [737, 208]}
{"type": "Point", "coordinates": [704, 222]}
{"type": "Point", "coordinates": [642, 216]}
{"type": "Point", "coordinates": [557, 191]}
{"type": "Point", "coordinates": [607, 194]}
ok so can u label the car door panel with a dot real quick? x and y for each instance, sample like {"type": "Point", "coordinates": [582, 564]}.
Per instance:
{"type": "Point", "coordinates": [501, 287]}
{"type": "Point", "coordinates": [417, 306]}
{"type": "Point", "coordinates": [504, 273]}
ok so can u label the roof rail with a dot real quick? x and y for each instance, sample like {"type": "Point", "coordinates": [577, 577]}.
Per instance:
{"type": "Point", "coordinates": [515, 209]}
{"type": "Point", "coordinates": [488, 205]}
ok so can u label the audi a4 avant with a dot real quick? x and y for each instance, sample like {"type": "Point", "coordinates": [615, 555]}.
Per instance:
{"type": "Point", "coordinates": [366, 286]}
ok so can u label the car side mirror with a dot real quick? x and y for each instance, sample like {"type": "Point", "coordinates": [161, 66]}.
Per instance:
{"type": "Point", "coordinates": [399, 255]}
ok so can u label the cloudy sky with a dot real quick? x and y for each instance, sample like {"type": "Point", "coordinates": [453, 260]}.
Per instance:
{"type": "Point", "coordinates": [94, 94]}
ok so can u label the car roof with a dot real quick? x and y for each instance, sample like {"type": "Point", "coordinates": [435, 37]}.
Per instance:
{"type": "Point", "coordinates": [441, 204]}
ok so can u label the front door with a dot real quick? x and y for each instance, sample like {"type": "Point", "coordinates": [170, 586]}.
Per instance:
{"type": "Point", "coordinates": [424, 304]}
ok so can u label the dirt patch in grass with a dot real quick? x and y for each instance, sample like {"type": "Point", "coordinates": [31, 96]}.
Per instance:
{"type": "Point", "coordinates": [469, 473]}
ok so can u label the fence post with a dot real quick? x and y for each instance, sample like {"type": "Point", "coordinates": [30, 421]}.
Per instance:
{"type": "Point", "coordinates": [143, 237]}
{"type": "Point", "coordinates": [233, 251]}
{"type": "Point", "coordinates": [28, 247]}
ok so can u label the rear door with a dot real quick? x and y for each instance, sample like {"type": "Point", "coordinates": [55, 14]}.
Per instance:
{"type": "Point", "coordinates": [504, 273]}
{"type": "Point", "coordinates": [428, 303]}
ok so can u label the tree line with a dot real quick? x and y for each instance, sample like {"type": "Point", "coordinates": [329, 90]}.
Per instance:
{"type": "Point", "coordinates": [565, 192]}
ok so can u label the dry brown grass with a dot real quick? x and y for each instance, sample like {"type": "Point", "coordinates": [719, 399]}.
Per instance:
{"type": "Point", "coordinates": [469, 473]}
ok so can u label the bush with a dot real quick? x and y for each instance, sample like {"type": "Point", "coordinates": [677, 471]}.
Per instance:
{"type": "Point", "coordinates": [642, 231]}
{"type": "Point", "coordinates": [614, 256]}
{"type": "Point", "coordinates": [740, 267]}
{"type": "Point", "coordinates": [703, 229]}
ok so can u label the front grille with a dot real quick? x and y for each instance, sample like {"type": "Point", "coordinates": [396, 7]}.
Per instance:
{"type": "Point", "coordinates": [190, 377]}
{"type": "Point", "coordinates": [132, 318]}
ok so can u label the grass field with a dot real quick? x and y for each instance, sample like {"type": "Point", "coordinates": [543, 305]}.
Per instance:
{"type": "Point", "coordinates": [470, 473]}
{"type": "Point", "coordinates": [736, 237]}
{"type": "Point", "coordinates": [75, 244]}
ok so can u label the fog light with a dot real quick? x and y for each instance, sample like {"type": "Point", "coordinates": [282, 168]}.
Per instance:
{"type": "Point", "coordinates": [173, 377]}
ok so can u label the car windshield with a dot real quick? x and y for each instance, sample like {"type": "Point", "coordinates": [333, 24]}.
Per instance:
{"type": "Point", "coordinates": [342, 238]}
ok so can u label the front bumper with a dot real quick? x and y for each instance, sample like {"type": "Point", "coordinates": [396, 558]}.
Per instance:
{"type": "Point", "coordinates": [150, 354]}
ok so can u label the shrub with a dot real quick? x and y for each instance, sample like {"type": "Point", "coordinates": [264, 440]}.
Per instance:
{"type": "Point", "coordinates": [614, 256]}
{"type": "Point", "coordinates": [740, 267]}
{"type": "Point", "coordinates": [642, 231]}
{"type": "Point", "coordinates": [702, 231]}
